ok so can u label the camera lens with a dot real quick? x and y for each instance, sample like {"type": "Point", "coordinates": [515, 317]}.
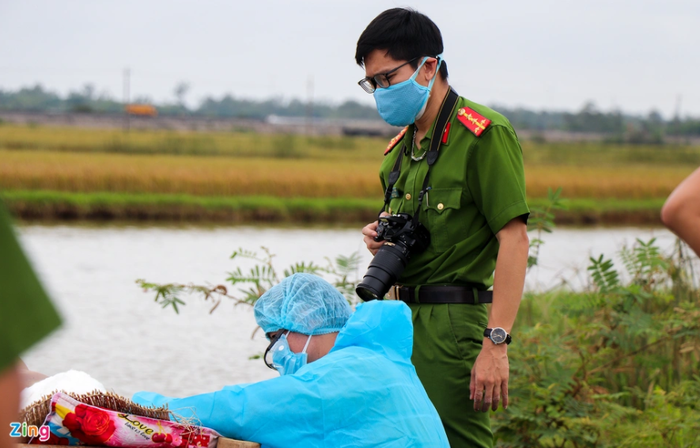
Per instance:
{"type": "Point", "coordinates": [385, 268]}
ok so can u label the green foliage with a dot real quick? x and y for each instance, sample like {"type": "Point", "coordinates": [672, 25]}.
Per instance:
{"type": "Point", "coordinates": [615, 365]}
{"type": "Point", "coordinates": [644, 263]}
{"type": "Point", "coordinates": [603, 274]}
{"type": "Point", "coordinates": [168, 295]}
{"type": "Point", "coordinates": [252, 284]}
{"type": "Point", "coordinates": [542, 220]}
{"type": "Point", "coordinates": [286, 147]}
{"type": "Point", "coordinates": [344, 269]}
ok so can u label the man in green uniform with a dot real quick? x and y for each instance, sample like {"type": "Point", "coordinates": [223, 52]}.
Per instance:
{"type": "Point", "coordinates": [26, 316]}
{"type": "Point", "coordinates": [474, 208]}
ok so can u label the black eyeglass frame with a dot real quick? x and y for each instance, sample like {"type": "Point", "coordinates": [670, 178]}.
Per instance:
{"type": "Point", "coordinates": [369, 85]}
{"type": "Point", "coordinates": [273, 338]}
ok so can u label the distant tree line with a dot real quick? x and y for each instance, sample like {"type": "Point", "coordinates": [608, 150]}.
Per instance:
{"type": "Point", "coordinates": [86, 100]}
{"type": "Point", "coordinates": [614, 126]}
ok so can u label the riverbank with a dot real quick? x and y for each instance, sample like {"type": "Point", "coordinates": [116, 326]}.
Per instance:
{"type": "Point", "coordinates": [67, 206]}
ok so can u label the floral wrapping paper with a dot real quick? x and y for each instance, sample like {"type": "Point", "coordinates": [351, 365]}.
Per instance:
{"type": "Point", "coordinates": [74, 423]}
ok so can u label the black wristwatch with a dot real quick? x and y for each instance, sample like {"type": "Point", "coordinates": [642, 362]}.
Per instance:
{"type": "Point", "coordinates": [497, 335]}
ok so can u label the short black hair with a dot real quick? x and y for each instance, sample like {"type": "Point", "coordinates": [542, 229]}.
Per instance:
{"type": "Point", "coordinates": [405, 34]}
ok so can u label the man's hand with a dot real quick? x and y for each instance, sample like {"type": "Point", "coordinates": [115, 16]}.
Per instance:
{"type": "Point", "coordinates": [370, 231]}
{"type": "Point", "coordinates": [489, 382]}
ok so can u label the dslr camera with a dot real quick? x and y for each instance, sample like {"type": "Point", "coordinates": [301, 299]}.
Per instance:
{"type": "Point", "coordinates": [402, 236]}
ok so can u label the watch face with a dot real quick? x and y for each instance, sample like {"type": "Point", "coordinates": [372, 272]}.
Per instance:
{"type": "Point", "coordinates": [498, 335]}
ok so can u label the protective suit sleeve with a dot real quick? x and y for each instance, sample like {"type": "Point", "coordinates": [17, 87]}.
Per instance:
{"type": "Point", "coordinates": [286, 408]}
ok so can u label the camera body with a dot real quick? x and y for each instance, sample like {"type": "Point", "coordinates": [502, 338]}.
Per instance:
{"type": "Point", "coordinates": [403, 237]}
{"type": "Point", "coordinates": [401, 229]}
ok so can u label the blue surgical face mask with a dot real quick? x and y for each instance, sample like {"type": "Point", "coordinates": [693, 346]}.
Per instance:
{"type": "Point", "coordinates": [284, 359]}
{"type": "Point", "coordinates": [403, 103]}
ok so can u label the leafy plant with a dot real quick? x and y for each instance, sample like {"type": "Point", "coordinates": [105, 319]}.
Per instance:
{"type": "Point", "coordinates": [542, 220]}
{"type": "Point", "coordinates": [614, 365]}
{"type": "Point", "coordinates": [603, 274]}
{"type": "Point", "coordinates": [256, 281]}
{"type": "Point", "coordinates": [644, 263]}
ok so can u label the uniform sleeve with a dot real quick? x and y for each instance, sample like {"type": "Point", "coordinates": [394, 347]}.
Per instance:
{"type": "Point", "coordinates": [26, 314]}
{"type": "Point", "coordinates": [285, 408]}
{"type": "Point", "coordinates": [496, 177]}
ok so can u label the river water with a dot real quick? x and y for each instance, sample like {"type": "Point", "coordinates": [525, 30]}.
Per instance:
{"type": "Point", "coordinates": [116, 333]}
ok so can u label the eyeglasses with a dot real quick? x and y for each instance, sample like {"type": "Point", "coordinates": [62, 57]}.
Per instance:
{"type": "Point", "coordinates": [273, 337]}
{"type": "Point", "coordinates": [369, 85]}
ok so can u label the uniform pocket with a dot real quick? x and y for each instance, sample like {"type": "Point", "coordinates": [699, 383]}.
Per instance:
{"type": "Point", "coordinates": [441, 207]}
{"type": "Point", "coordinates": [467, 323]}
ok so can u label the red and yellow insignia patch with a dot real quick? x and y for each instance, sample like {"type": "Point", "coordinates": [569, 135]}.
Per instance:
{"type": "Point", "coordinates": [473, 121]}
{"type": "Point", "coordinates": [394, 141]}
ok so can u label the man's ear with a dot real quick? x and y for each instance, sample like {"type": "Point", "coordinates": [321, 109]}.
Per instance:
{"type": "Point", "coordinates": [429, 68]}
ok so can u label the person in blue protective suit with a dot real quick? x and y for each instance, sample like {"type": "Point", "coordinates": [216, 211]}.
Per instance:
{"type": "Point", "coordinates": [346, 378]}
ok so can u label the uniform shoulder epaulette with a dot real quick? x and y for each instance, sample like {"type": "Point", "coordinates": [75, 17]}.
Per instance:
{"type": "Point", "coordinates": [395, 141]}
{"type": "Point", "coordinates": [474, 121]}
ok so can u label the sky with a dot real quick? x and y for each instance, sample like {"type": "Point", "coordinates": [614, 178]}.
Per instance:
{"type": "Point", "coordinates": [633, 55]}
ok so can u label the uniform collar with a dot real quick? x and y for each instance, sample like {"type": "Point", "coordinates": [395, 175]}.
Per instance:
{"type": "Point", "coordinates": [429, 134]}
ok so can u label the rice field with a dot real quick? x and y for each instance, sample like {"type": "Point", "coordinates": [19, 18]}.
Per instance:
{"type": "Point", "coordinates": [200, 176]}
{"type": "Point", "coordinates": [164, 142]}
{"type": "Point", "coordinates": [299, 177]}
{"type": "Point", "coordinates": [239, 165]}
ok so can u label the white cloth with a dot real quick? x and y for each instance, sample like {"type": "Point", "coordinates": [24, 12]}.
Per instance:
{"type": "Point", "coordinates": [71, 381]}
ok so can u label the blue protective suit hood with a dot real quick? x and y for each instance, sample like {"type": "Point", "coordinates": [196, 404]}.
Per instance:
{"type": "Point", "coordinates": [383, 327]}
{"type": "Point", "coordinates": [363, 393]}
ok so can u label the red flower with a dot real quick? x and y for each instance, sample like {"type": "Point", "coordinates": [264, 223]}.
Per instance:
{"type": "Point", "coordinates": [90, 425]}
{"type": "Point", "coordinates": [162, 438]}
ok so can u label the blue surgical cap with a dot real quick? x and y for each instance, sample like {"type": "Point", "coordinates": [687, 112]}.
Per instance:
{"type": "Point", "coordinates": [302, 303]}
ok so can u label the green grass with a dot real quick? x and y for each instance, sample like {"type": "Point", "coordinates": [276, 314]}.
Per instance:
{"type": "Point", "coordinates": [106, 205]}
{"type": "Point", "coordinates": [44, 204]}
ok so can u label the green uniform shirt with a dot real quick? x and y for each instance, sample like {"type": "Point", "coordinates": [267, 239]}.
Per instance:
{"type": "Point", "coordinates": [478, 185]}
{"type": "Point", "coordinates": [26, 314]}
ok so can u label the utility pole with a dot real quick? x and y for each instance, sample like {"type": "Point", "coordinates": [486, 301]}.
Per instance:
{"type": "Point", "coordinates": [127, 88]}
{"type": "Point", "coordinates": [310, 105]}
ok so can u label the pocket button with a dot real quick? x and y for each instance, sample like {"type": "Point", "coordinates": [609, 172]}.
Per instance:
{"type": "Point", "coordinates": [408, 196]}
{"type": "Point", "coordinates": [440, 206]}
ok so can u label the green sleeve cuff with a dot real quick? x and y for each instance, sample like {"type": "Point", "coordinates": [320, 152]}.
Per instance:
{"type": "Point", "coordinates": [511, 212]}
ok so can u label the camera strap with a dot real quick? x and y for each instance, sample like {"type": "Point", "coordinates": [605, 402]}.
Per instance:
{"type": "Point", "coordinates": [446, 110]}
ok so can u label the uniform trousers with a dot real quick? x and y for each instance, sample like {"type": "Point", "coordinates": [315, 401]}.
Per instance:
{"type": "Point", "coordinates": [447, 339]}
